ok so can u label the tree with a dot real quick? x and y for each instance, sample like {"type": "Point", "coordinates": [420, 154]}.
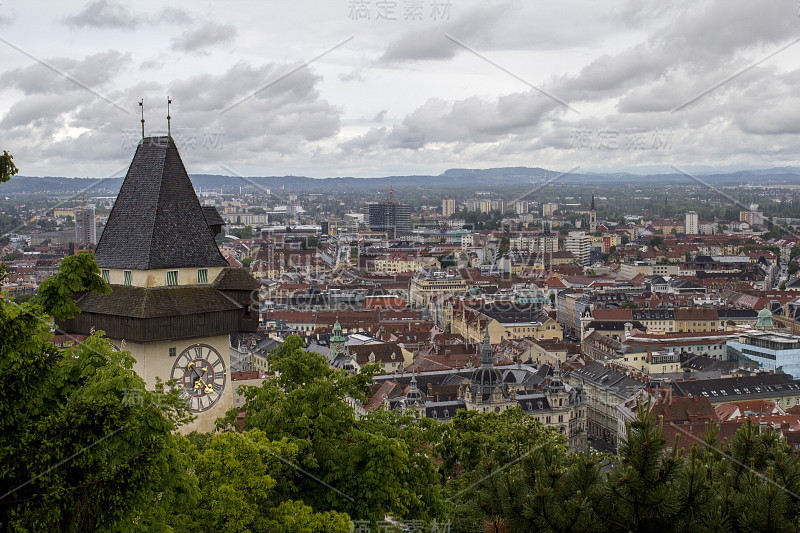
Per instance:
{"type": "Point", "coordinates": [655, 241]}
{"type": "Point", "coordinates": [7, 167]}
{"type": "Point", "coordinates": [247, 486]}
{"type": "Point", "coordinates": [95, 450]}
{"type": "Point", "coordinates": [378, 465]}
{"type": "Point", "coordinates": [748, 484]}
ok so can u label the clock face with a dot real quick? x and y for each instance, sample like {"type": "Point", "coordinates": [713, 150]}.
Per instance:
{"type": "Point", "coordinates": [201, 375]}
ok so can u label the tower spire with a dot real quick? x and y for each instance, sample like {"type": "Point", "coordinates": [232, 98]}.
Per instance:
{"type": "Point", "coordinates": [487, 354]}
{"type": "Point", "coordinates": [141, 104]}
{"type": "Point", "coordinates": [169, 118]}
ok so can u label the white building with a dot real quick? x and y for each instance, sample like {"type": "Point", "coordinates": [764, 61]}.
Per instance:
{"type": "Point", "coordinates": [579, 244]}
{"type": "Point", "coordinates": [692, 223]}
{"type": "Point", "coordinates": [448, 206]}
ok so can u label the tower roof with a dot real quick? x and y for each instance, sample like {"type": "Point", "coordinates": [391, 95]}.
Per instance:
{"type": "Point", "coordinates": [591, 207]}
{"type": "Point", "coordinates": [157, 221]}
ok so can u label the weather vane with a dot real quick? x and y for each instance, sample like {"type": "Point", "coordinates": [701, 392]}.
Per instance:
{"type": "Point", "coordinates": [141, 104]}
{"type": "Point", "coordinates": [169, 118]}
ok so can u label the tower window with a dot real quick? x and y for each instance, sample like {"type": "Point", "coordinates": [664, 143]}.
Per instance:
{"type": "Point", "coordinates": [105, 275]}
{"type": "Point", "coordinates": [202, 275]}
{"type": "Point", "coordinates": [127, 277]}
{"type": "Point", "coordinates": [172, 277]}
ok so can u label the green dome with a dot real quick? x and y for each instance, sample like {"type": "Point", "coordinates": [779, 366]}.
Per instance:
{"type": "Point", "coordinates": [764, 313]}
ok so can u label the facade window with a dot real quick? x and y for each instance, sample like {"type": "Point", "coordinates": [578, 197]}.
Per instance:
{"type": "Point", "coordinates": [127, 278]}
{"type": "Point", "coordinates": [172, 277]}
{"type": "Point", "coordinates": [202, 275]}
{"type": "Point", "coordinates": [105, 275]}
{"type": "Point", "coordinates": [172, 352]}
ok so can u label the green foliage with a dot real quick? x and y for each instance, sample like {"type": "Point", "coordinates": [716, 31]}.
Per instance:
{"type": "Point", "coordinates": [94, 449]}
{"type": "Point", "coordinates": [244, 479]}
{"type": "Point", "coordinates": [77, 273]}
{"type": "Point", "coordinates": [7, 167]}
{"type": "Point", "coordinates": [380, 464]}
{"type": "Point", "coordinates": [655, 241]}
{"type": "Point", "coordinates": [243, 233]}
{"type": "Point", "coordinates": [748, 484]}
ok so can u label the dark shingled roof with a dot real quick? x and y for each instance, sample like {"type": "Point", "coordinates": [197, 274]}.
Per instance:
{"type": "Point", "coordinates": [142, 302]}
{"type": "Point", "coordinates": [235, 279]}
{"type": "Point", "coordinates": [157, 221]}
{"type": "Point", "coordinates": [212, 216]}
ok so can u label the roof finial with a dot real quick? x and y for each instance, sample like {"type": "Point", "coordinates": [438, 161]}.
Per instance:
{"type": "Point", "coordinates": [141, 104]}
{"type": "Point", "coordinates": [169, 133]}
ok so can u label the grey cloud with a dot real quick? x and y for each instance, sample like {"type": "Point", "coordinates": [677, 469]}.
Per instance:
{"type": "Point", "coordinates": [288, 119]}
{"type": "Point", "coordinates": [174, 15]}
{"type": "Point", "coordinates": [41, 111]}
{"type": "Point", "coordinates": [93, 71]}
{"type": "Point", "coordinates": [104, 14]}
{"type": "Point", "coordinates": [204, 36]}
{"type": "Point", "coordinates": [365, 142]}
{"type": "Point", "coordinates": [7, 15]}
{"type": "Point", "coordinates": [474, 27]}
{"type": "Point", "coordinates": [471, 120]}
{"type": "Point", "coordinates": [353, 75]}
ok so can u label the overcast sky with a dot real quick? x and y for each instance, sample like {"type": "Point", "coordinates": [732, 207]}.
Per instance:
{"type": "Point", "coordinates": [383, 87]}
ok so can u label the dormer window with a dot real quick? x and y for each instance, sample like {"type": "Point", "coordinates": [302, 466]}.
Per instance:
{"type": "Point", "coordinates": [127, 278]}
{"type": "Point", "coordinates": [172, 277]}
{"type": "Point", "coordinates": [202, 275]}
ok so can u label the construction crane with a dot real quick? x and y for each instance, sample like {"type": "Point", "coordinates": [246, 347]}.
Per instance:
{"type": "Point", "coordinates": [391, 193]}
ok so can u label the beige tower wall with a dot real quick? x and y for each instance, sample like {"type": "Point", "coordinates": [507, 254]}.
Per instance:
{"type": "Point", "coordinates": [153, 360]}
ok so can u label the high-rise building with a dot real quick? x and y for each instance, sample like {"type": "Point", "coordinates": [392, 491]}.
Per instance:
{"type": "Point", "coordinates": [549, 208]}
{"type": "Point", "coordinates": [754, 218]}
{"type": "Point", "coordinates": [448, 207]}
{"type": "Point", "coordinates": [85, 225]}
{"type": "Point", "coordinates": [579, 243]}
{"type": "Point", "coordinates": [692, 223]}
{"type": "Point", "coordinates": [390, 217]}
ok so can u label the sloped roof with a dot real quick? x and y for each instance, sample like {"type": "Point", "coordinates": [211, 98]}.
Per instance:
{"type": "Point", "coordinates": [212, 216]}
{"type": "Point", "coordinates": [236, 279]}
{"type": "Point", "coordinates": [157, 221]}
{"type": "Point", "coordinates": [141, 302]}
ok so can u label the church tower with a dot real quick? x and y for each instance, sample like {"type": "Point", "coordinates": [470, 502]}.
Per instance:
{"type": "Point", "coordinates": [592, 216]}
{"type": "Point", "coordinates": [174, 301]}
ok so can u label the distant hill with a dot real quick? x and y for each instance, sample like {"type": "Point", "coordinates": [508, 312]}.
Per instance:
{"type": "Point", "coordinates": [454, 177]}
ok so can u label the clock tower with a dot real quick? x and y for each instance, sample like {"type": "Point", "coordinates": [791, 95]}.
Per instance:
{"type": "Point", "coordinates": [174, 301]}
